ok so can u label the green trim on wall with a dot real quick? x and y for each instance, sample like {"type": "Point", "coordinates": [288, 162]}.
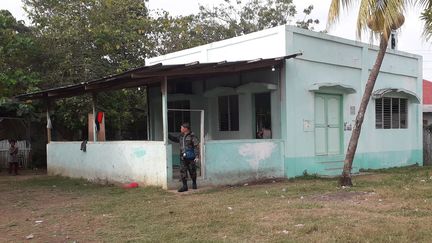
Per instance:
{"type": "Point", "coordinates": [332, 165]}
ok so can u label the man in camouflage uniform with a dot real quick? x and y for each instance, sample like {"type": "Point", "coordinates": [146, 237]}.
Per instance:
{"type": "Point", "coordinates": [188, 144]}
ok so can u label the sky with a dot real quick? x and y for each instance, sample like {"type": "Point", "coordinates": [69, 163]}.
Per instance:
{"type": "Point", "coordinates": [409, 37]}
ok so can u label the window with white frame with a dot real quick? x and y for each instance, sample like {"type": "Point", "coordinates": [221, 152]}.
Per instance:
{"type": "Point", "coordinates": [176, 118]}
{"type": "Point", "coordinates": [228, 113]}
{"type": "Point", "coordinates": [391, 113]}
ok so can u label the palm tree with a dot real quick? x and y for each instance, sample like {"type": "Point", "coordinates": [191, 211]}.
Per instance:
{"type": "Point", "coordinates": [381, 17]}
{"type": "Point", "coordinates": [426, 16]}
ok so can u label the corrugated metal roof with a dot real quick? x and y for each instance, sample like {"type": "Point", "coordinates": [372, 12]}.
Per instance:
{"type": "Point", "coordinates": [155, 73]}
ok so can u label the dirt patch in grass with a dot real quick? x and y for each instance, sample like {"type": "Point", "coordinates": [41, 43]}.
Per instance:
{"type": "Point", "coordinates": [46, 214]}
{"type": "Point", "coordinates": [341, 196]}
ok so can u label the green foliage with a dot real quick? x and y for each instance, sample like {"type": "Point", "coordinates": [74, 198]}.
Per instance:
{"type": "Point", "coordinates": [229, 19]}
{"type": "Point", "coordinates": [19, 55]}
{"type": "Point", "coordinates": [92, 39]}
{"type": "Point", "coordinates": [125, 112]}
{"type": "Point", "coordinates": [426, 16]}
{"type": "Point", "coordinates": [242, 18]}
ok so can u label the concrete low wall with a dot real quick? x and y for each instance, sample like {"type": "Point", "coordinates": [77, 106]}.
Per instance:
{"type": "Point", "coordinates": [238, 161]}
{"type": "Point", "coordinates": [144, 162]}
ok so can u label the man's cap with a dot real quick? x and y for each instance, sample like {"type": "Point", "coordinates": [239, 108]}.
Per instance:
{"type": "Point", "coordinates": [186, 125]}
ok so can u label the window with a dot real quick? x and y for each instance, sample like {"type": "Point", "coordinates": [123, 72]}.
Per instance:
{"type": "Point", "coordinates": [176, 118]}
{"type": "Point", "coordinates": [228, 113]}
{"type": "Point", "coordinates": [391, 113]}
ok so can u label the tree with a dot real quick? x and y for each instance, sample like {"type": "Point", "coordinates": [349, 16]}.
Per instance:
{"type": "Point", "coordinates": [19, 57]}
{"type": "Point", "coordinates": [89, 39]}
{"type": "Point", "coordinates": [426, 16]}
{"type": "Point", "coordinates": [381, 16]}
{"type": "Point", "coordinates": [92, 38]}
{"type": "Point", "coordinates": [229, 19]}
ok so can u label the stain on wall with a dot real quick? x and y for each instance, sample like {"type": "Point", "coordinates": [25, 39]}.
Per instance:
{"type": "Point", "coordinates": [254, 153]}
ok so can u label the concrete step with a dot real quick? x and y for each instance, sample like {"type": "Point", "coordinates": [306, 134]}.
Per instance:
{"type": "Point", "coordinates": [338, 168]}
{"type": "Point", "coordinates": [332, 162]}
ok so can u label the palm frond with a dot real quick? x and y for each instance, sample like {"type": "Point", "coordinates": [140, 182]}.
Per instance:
{"type": "Point", "coordinates": [363, 16]}
{"type": "Point", "coordinates": [426, 16]}
{"type": "Point", "coordinates": [381, 15]}
{"type": "Point", "coordinates": [427, 4]}
{"type": "Point", "coordinates": [336, 7]}
{"type": "Point", "coordinates": [391, 14]}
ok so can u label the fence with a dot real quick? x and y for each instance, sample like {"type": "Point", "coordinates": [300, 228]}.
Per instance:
{"type": "Point", "coordinates": [23, 153]}
{"type": "Point", "coordinates": [427, 145]}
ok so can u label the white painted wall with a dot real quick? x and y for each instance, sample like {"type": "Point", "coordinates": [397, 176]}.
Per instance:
{"type": "Point", "coordinates": [121, 161]}
{"type": "Point", "coordinates": [246, 47]}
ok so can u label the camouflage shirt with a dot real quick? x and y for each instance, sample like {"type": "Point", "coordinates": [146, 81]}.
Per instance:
{"type": "Point", "coordinates": [186, 141]}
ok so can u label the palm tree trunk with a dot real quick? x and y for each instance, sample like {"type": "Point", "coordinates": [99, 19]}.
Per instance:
{"type": "Point", "coordinates": [345, 179]}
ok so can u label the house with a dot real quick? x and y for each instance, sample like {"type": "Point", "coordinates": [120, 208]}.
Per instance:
{"type": "Point", "coordinates": [303, 86]}
{"type": "Point", "coordinates": [427, 102]}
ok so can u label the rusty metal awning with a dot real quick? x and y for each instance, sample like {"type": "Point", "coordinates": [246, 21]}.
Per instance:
{"type": "Point", "coordinates": [397, 92]}
{"type": "Point", "coordinates": [154, 74]}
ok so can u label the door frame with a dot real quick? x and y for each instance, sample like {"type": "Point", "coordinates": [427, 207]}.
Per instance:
{"type": "Point", "coordinates": [202, 141]}
{"type": "Point", "coordinates": [341, 131]}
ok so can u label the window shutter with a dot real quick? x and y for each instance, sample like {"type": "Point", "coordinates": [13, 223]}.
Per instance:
{"type": "Point", "coordinates": [403, 113]}
{"type": "Point", "coordinates": [379, 113]}
{"type": "Point", "coordinates": [391, 113]}
{"type": "Point", "coordinates": [395, 113]}
{"type": "Point", "coordinates": [387, 113]}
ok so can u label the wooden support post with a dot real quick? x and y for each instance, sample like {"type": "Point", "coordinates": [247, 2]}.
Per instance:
{"type": "Point", "coordinates": [148, 113]}
{"type": "Point", "coordinates": [164, 110]}
{"type": "Point", "coordinates": [94, 117]}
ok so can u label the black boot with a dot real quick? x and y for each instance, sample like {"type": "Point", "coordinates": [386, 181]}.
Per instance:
{"type": "Point", "coordinates": [184, 188]}
{"type": "Point", "coordinates": [194, 185]}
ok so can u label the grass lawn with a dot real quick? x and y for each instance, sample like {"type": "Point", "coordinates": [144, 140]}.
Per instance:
{"type": "Point", "coordinates": [389, 205]}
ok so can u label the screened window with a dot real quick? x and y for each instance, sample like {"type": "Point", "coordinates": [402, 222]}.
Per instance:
{"type": "Point", "coordinates": [228, 113]}
{"type": "Point", "coordinates": [176, 118]}
{"type": "Point", "coordinates": [391, 113]}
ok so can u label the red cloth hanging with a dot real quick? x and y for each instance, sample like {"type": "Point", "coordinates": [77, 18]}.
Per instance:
{"type": "Point", "coordinates": [100, 116]}
{"type": "Point", "coordinates": [99, 119]}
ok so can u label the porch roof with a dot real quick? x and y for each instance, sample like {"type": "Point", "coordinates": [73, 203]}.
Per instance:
{"type": "Point", "coordinates": [154, 74]}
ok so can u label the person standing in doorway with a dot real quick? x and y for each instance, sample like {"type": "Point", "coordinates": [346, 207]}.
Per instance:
{"type": "Point", "coordinates": [189, 155]}
{"type": "Point", "coordinates": [13, 157]}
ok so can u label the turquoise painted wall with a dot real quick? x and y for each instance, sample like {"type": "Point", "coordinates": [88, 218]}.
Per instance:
{"type": "Point", "coordinates": [347, 62]}
{"type": "Point", "coordinates": [332, 165]}
{"type": "Point", "coordinates": [235, 161]}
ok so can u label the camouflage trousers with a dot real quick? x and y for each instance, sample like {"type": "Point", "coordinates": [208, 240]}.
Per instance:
{"type": "Point", "coordinates": [188, 165]}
